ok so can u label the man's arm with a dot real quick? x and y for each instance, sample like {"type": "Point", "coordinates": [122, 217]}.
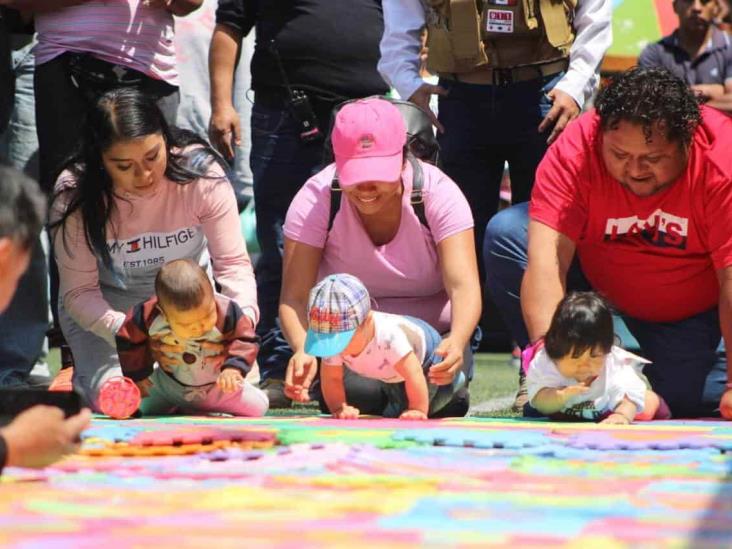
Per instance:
{"type": "Point", "coordinates": [400, 45]}
{"type": "Point", "coordinates": [725, 323]}
{"type": "Point", "coordinates": [722, 101]}
{"type": "Point", "coordinates": [593, 36]}
{"type": "Point", "coordinates": [544, 284]}
{"type": "Point", "coordinates": [225, 126]}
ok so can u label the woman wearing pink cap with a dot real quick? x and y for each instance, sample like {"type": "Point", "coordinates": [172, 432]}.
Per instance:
{"type": "Point", "coordinates": [424, 270]}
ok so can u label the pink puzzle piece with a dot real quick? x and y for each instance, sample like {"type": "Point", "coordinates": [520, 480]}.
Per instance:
{"type": "Point", "coordinates": [203, 435]}
{"type": "Point", "coordinates": [119, 397]}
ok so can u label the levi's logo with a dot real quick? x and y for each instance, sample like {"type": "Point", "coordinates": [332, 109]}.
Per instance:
{"type": "Point", "coordinates": [660, 229]}
{"type": "Point", "coordinates": [366, 141]}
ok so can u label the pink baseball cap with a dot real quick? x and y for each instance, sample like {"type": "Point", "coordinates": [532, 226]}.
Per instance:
{"type": "Point", "coordinates": [368, 142]}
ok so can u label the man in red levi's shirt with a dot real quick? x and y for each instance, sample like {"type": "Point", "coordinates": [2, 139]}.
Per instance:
{"type": "Point", "coordinates": [634, 201]}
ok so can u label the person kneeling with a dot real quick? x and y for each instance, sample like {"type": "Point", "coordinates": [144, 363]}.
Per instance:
{"type": "Point", "coordinates": [580, 375]}
{"type": "Point", "coordinates": [396, 349]}
{"type": "Point", "coordinates": [204, 343]}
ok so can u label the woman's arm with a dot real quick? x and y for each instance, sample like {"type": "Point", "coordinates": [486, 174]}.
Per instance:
{"type": "Point", "coordinates": [459, 268]}
{"type": "Point", "coordinates": [300, 266]}
{"type": "Point", "coordinates": [79, 280]}
{"type": "Point", "coordinates": [219, 219]}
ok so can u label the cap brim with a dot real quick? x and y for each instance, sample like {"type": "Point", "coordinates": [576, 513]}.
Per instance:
{"type": "Point", "coordinates": [385, 169]}
{"type": "Point", "coordinates": [323, 345]}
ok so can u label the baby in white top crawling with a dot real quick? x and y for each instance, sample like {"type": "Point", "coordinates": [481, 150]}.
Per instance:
{"type": "Point", "coordinates": [580, 375]}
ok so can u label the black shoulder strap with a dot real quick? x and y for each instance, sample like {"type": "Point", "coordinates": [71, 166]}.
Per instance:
{"type": "Point", "coordinates": [335, 200]}
{"type": "Point", "coordinates": [416, 199]}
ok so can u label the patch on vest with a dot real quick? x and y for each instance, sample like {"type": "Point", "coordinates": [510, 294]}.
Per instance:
{"type": "Point", "coordinates": [500, 21]}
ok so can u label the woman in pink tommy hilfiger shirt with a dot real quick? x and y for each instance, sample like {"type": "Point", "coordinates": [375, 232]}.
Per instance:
{"type": "Point", "coordinates": [137, 195]}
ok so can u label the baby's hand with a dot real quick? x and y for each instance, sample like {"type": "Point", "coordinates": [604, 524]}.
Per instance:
{"type": "Point", "coordinates": [229, 380]}
{"type": "Point", "coordinates": [572, 391]}
{"type": "Point", "coordinates": [413, 414]}
{"type": "Point", "coordinates": [346, 412]}
{"type": "Point", "coordinates": [144, 385]}
{"type": "Point", "coordinates": [616, 419]}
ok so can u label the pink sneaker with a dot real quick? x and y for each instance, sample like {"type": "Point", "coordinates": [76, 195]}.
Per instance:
{"type": "Point", "coordinates": [119, 397]}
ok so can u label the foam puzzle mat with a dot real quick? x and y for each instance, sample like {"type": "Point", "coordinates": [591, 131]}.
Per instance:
{"type": "Point", "coordinates": [317, 482]}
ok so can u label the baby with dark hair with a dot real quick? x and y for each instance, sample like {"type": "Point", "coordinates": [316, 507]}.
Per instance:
{"type": "Point", "coordinates": [209, 343]}
{"type": "Point", "coordinates": [581, 375]}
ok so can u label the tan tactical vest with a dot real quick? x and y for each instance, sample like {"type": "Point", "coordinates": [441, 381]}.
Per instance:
{"type": "Point", "coordinates": [465, 35]}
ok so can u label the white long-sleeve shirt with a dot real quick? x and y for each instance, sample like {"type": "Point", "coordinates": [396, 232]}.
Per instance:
{"type": "Point", "coordinates": [400, 46]}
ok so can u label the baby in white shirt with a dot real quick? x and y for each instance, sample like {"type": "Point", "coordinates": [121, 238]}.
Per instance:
{"type": "Point", "coordinates": [395, 349]}
{"type": "Point", "coordinates": [580, 375]}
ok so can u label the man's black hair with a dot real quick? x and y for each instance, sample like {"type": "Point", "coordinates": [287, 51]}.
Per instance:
{"type": "Point", "coordinates": [22, 207]}
{"type": "Point", "coordinates": [652, 98]}
{"type": "Point", "coordinates": [582, 322]}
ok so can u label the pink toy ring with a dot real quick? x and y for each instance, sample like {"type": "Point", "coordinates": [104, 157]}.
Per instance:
{"type": "Point", "coordinates": [119, 397]}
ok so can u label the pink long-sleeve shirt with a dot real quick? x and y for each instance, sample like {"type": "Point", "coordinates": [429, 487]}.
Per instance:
{"type": "Point", "coordinates": [198, 220]}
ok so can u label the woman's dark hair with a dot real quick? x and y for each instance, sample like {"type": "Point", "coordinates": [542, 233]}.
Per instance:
{"type": "Point", "coordinates": [120, 115]}
{"type": "Point", "coordinates": [582, 321]}
{"type": "Point", "coordinates": [652, 98]}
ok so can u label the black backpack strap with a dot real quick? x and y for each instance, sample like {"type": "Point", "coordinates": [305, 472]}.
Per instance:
{"type": "Point", "coordinates": [417, 197]}
{"type": "Point", "coordinates": [335, 200]}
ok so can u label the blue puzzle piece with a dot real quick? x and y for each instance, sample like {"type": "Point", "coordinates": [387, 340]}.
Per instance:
{"type": "Point", "coordinates": [468, 438]}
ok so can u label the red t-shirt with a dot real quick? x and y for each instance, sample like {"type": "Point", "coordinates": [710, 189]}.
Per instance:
{"type": "Point", "coordinates": [654, 258]}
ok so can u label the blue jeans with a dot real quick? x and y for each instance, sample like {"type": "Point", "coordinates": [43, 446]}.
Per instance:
{"type": "Point", "coordinates": [23, 325]}
{"type": "Point", "coordinates": [686, 370]}
{"type": "Point", "coordinates": [487, 126]}
{"type": "Point", "coordinates": [439, 395]}
{"type": "Point", "coordinates": [281, 163]}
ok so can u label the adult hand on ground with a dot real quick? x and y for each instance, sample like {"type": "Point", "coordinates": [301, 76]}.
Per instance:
{"type": "Point", "coordinates": [725, 404]}
{"type": "Point", "coordinates": [229, 380]}
{"type": "Point", "coordinates": [224, 130]}
{"type": "Point", "coordinates": [347, 412]}
{"type": "Point", "coordinates": [422, 97]}
{"type": "Point", "coordinates": [413, 414]}
{"type": "Point", "coordinates": [443, 372]}
{"type": "Point", "coordinates": [40, 435]}
{"type": "Point", "coordinates": [564, 110]}
{"type": "Point", "coordinates": [301, 371]}
{"type": "Point", "coordinates": [144, 385]}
